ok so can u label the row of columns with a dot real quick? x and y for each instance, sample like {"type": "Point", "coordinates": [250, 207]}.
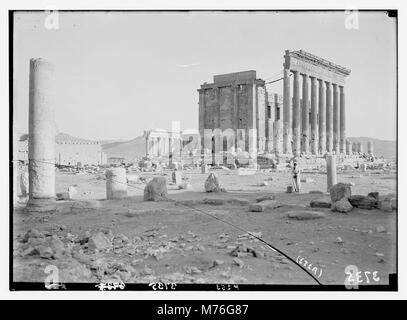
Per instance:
{"type": "Point", "coordinates": [155, 146]}
{"type": "Point", "coordinates": [328, 119]}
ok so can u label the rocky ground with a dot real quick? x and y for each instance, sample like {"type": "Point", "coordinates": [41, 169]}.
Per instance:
{"type": "Point", "coordinates": [91, 239]}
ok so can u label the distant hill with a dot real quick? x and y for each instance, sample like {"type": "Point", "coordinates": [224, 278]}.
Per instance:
{"type": "Point", "coordinates": [385, 148]}
{"type": "Point", "coordinates": [135, 148]}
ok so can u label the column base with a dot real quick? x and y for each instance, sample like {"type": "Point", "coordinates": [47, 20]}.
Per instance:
{"type": "Point", "coordinates": [41, 205]}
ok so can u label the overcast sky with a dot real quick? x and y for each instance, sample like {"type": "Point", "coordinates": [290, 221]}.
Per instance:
{"type": "Point", "coordinates": [119, 73]}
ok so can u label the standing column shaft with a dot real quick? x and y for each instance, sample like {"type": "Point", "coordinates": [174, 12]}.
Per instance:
{"type": "Point", "coordinates": [329, 118]}
{"type": "Point", "coordinates": [348, 147]}
{"type": "Point", "coordinates": [287, 131]}
{"type": "Point", "coordinates": [305, 114]}
{"type": "Point", "coordinates": [170, 149]}
{"type": "Point", "coordinates": [322, 117]}
{"type": "Point", "coordinates": [336, 117]}
{"type": "Point", "coordinates": [331, 171]}
{"type": "Point", "coordinates": [41, 148]}
{"type": "Point", "coordinates": [296, 115]}
{"type": "Point", "coordinates": [314, 116]}
{"type": "Point", "coordinates": [342, 119]}
{"type": "Point", "coordinates": [147, 146]}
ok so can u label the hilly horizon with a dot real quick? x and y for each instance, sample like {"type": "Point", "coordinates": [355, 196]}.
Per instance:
{"type": "Point", "coordinates": [136, 148]}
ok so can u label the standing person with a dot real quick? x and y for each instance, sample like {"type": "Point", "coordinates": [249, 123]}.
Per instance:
{"type": "Point", "coordinates": [296, 177]}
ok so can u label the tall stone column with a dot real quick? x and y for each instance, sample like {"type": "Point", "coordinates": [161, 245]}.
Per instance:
{"type": "Point", "coordinates": [342, 120]}
{"type": "Point", "coordinates": [355, 147]}
{"type": "Point", "coordinates": [296, 115]}
{"type": "Point", "coordinates": [370, 148]}
{"type": "Point", "coordinates": [329, 118]}
{"type": "Point", "coordinates": [159, 144]}
{"type": "Point", "coordinates": [348, 147]}
{"type": "Point", "coordinates": [331, 171]}
{"type": "Point", "coordinates": [278, 137]}
{"type": "Point", "coordinates": [322, 117]}
{"type": "Point", "coordinates": [147, 145]}
{"type": "Point", "coordinates": [41, 148]}
{"type": "Point", "coordinates": [360, 147]}
{"type": "Point", "coordinates": [314, 117]}
{"type": "Point", "coordinates": [170, 149]}
{"type": "Point", "coordinates": [305, 114]}
{"type": "Point", "coordinates": [336, 117]}
{"type": "Point", "coordinates": [287, 122]}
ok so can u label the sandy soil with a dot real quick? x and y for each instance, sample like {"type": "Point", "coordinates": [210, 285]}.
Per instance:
{"type": "Point", "coordinates": [168, 241]}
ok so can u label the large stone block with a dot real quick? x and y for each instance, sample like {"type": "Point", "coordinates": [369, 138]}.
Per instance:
{"type": "Point", "coordinates": [156, 189]}
{"type": "Point", "coordinates": [212, 183]}
{"type": "Point", "coordinates": [339, 191]}
{"type": "Point", "coordinates": [364, 202]}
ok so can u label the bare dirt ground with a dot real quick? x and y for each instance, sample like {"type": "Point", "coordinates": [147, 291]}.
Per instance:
{"type": "Point", "coordinates": [170, 242]}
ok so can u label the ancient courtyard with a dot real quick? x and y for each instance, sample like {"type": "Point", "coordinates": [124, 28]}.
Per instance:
{"type": "Point", "coordinates": [266, 187]}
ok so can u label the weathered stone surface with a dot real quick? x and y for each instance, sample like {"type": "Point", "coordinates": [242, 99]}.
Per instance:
{"type": "Point", "coordinates": [212, 183]}
{"type": "Point", "coordinates": [320, 204]}
{"type": "Point", "coordinates": [385, 205]}
{"type": "Point", "coordinates": [99, 241]}
{"type": "Point", "coordinates": [374, 195]}
{"type": "Point", "coordinates": [24, 184]}
{"type": "Point", "coordinates": [156, 189]}
{"type": "Point", "coordinates": [342, 205]}
{"type": "Point", "coordinates": [263, 206]}
{"type": "Point", "coordinates": [364, 202]}
{"type": "Point", "coordinates": [305, 215]}
{"type": "Point", "coordinates": [116, 183]}
{"type": "Point", "coordinates": [215, 201]}
{"type": "Point", "coordinates": [266, 197]}
{"type": "Point", "coordinates": [238, 201]}
{"type": "Point", "coordinates": [132, 178]}
{"type": "Point", "coordinates": [339, 191]}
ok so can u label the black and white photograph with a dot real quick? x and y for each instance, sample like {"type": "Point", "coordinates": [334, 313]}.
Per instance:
{"type": "Point", "coordinates": [203, 150]}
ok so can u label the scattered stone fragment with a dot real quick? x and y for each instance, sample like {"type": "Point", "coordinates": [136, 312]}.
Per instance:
{"type": "Point", "coordinates": [264, 184]}
{"type": "Point", "coordinates": [238, 201]}
{"type": "Point", "coordinates": [263, 206]}
{"type": "Point", "coordinates": [385, 205]}
{"type": "Point", "coordinates": [156, 189]}
{"type": "Point", "coordinates": [266, 197]}
{"type": "Point", "coordinates": [215, 201]}
{"type": "Point", "coordinates": [307, 180]}
{"type": "Point", "coordinates": [380, 229]}
{"type": "Point", "coordinates": [320, 204]}
{"type": "Point", "coordinates": [99, 241]}
{"type": "Point", "coordinates": [338, 240]}
{"type": "Point", "coordinates": [192, 270]}
{"type": "Point", "coordinates": [305, 215]}
{"type": "Point", "coordinates": [364, 202]}
{"type": "Point", "coordinates": [374, 195]}
{"type": "Point", "coordinates": [342, 205]}
{"type": "Point", "coordinates": [212, 183]}
{"type": "Point", "coordinates": [238, 262]}
{"type": "Point", "coordinates": [339, 191]}
{"type": "Point", "coordinates": [217, 263]}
